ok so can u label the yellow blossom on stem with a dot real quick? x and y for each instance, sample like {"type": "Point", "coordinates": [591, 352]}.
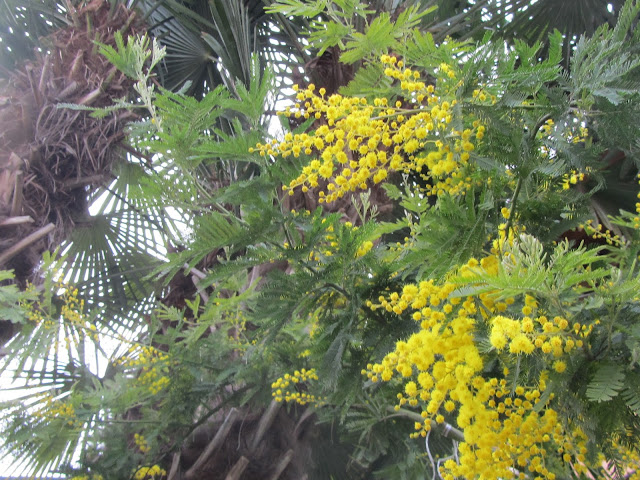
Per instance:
{"type": "Point", "coordinates": [155, 472]}
{"type": "Point", "coordinates": [507, 427]}
{"type": "Point", "coordinates": [293, 388]}
{"type": "Point", "coordinates": [362, 143]}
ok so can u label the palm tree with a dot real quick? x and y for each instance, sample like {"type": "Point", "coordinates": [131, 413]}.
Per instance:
{"type": "Point", "coordinates": [54, 159]}
{"type": "Point", "coordinates": [74, 160]}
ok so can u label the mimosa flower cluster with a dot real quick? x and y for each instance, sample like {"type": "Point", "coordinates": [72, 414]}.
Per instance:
{"type": "Point", "coordinates": [152, 366]}
{"type": "Point", "coordinates": [572, 133]}
{"type": "Point", "coordinates": [571, 178]}
{"type": "Point", "coordinates": [553, 337]}
{"type": "Point", "coordinates": [361, 143]}
{"type": "Point", "coordinates": [155, 472]}
{"type": "Point", "coordinates": [237, 331]}
{"type": "Point", "coordinates": [291, 388]}
{"type": "Point", "coordinates": [141, 443]}
{"type": "Point", "coordinates": [71, 314]}
{"type": "Point", "coordinates": [331, 244]}
{"type": "Point", "coordinates": [56, 410]}
{"type": "Point", "coordinates": [509, 429]}
{"type": "Point", "coordinates": [36, 313]}
{"type": "Point", "coordinates": [598, 232]}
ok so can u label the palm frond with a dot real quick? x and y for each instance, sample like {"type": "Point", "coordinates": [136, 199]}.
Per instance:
{"type": "Point", "coordinates": [23, 23]}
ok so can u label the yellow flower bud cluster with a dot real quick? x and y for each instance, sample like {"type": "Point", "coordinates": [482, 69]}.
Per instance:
{"type": "Point", "coordinates": [573, 448]}
{"type": "Point", "coordinates": [95, 476]}
{"type": "Point", "coordinates": [72, 307]}
{"type": "Point", "coordinates": [364, 249]}
{"type": "Point", "coordinates": [506, 428]}
{"type": "Point", "coordinates": [571, 178]}
{"type": "Point", "coordinates": [237, 323]}
{"type": "Point", "coordinates": [141, 443]}
{"type": "Point", "coordinates": [598, 232]}
{"type": "Point", "coordinates": [155, 472]}
{"type": "Point", "coordinates": [571, 134]}
{"type": "Point", "coordinates": [482, 96]}
{"type": "Point", "coordinates": [35, 312]}
{"type": "Point", "coordinates": [546, 130]}
{"type": "Point", "coordinates": [506, 239]}
{"type": "Point", "coordinates": [580, 136]}
{"type": "Point", "coordinates": [314, 325]}
{"type": "Point", "coordinates": [523, 336]}
{"type": "Point", "coordinates": [330, 245]}
{"type": "Point", "coordinates": [290, 388]}
{"type": "Point", "coordinates": [71, 314]}
{"type": "Point", "coordinates": [152, 365]}
{"type": "Point", "coordinates": [362, 142]}
{"type": "Point", "coordinates": [58, 410]}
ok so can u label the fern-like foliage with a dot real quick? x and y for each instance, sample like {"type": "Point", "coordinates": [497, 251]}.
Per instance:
{"type": "Point", "coordinates": [606, 383]}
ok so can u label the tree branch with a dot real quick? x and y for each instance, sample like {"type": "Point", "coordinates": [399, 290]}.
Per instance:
{"type": "Point", "coordinates": [9, 221]}
{"type": "Point", "coordinates": [215, 443]}
{"type": "Point", "coordinates": [25, 242]}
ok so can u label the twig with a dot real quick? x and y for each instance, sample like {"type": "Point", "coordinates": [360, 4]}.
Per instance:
{"type": "Point", "coordinates": [175, 467]}
{"type": "Point", "coordinates": [196, 276]}
{"type": "Point", "coordinates": [43, 74]}
{"type": "Point", "coordinates": [445, 428]}
{"type": "Point", "coordinates": [137, 154]}
{"type": "Point", "coordinates": [84, 181]}
{"type": "Point", "coordinates": [69, 90]}
{"type": "Point", "coordinates": [337, 288]}
{"type": "Point", "coordinates": [265, 422]}
{"type": "Point", "coordinates": [18, 184]}
{"type": "Point", "coordinates": [90, 97]}
{"type": "Point", "coordinates": [203, 294]}
{"type": "Point", "coordinates": [237, 469]}
{"type": "Point", "coordinates": [194, 271]}
{"type": "Point", "coordinates": [215, 443]}
{"type": "Point", "coordinates": [282, 464]}
{"type": "Point", "coordinates": [25, 242]}
{"type": "Point", "coordinates": [7, 222]}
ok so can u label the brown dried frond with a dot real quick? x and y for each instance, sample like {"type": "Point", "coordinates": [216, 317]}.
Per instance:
{"type": "Point", "coordinates": [51, 159]}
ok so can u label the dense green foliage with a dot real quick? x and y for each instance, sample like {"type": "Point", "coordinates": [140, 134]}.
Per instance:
{"type": "Point", "coordinates": [500, 241]}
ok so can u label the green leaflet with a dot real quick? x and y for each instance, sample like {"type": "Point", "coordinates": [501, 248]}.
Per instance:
{"type": "Point", "coordinates": [297, 8]}
{"type": "Point", "coordinates": [606, 383]}
{"type": "Point", "coordinates": [10, 298]}
{"type": "Point", "coordinates": [378, 38]}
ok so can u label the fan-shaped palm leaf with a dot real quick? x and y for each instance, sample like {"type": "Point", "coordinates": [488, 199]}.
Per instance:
{"type": "Point", "coordinates": [23, 23]}
{"type": "Point", "coordinates": [524, 19]}
{"type": "Point", "coordinates": [209, 38]}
